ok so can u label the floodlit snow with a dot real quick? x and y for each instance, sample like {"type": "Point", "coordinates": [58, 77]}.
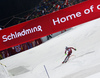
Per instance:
{"type": "Point", "coordinates": [97, 75]}
{"type": "Point", "coordinates": [83, 63]}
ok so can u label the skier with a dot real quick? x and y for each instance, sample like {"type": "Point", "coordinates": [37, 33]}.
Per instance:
{"type": "Point", "coordinates": [69, 52]}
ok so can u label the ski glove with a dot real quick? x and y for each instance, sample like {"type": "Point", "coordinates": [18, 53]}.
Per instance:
{"type": "Point", "coordinates": [65, 54]}
{"type": "Point", "coordinates": [75, 49]}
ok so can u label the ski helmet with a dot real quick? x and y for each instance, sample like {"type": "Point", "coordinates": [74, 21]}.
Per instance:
{"type": "Point", "coordinates": [66, 47]}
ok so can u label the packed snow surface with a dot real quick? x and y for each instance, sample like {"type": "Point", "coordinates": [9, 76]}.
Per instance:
{"type": "Point", "coordinates": [83, 63]}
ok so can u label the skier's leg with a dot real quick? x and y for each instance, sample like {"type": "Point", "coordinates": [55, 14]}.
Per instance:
{"type": "Point", "coordinates": [65, 59]}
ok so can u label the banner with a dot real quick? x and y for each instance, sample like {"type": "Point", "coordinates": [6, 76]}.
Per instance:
{"type": "Point", "coordinates": [48, 24]}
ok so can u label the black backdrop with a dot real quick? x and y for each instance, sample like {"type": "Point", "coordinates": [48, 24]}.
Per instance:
{"type": "Point", "coordinates": [12, 7]}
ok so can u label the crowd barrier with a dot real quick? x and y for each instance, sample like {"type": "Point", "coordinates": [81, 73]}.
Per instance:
{"type": "Point", "coordinates": [48, 24]}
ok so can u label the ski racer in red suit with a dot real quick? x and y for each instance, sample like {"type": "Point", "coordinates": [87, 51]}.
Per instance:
{"type": "Point", "coordinates": [69, 52]}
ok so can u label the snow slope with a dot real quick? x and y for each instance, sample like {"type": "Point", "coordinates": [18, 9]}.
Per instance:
{"type": "Point", "coordinates": [83, 63]}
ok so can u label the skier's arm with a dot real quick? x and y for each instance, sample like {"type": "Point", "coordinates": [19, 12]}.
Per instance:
{"type": "Point", "coordinates": [73, 48]}
{"type": "Point", "coordinates": [65, 51]}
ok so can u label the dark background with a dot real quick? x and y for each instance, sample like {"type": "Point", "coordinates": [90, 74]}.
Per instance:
{"type": "Point", "coordinates": [9, 8]}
